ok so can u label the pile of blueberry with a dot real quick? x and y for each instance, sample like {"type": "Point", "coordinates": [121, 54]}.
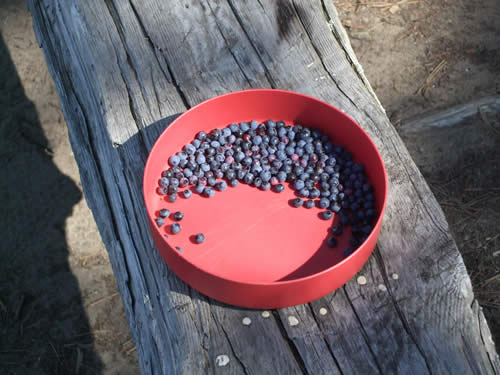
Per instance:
{"type": "Point", "coordinates": [266, 155]}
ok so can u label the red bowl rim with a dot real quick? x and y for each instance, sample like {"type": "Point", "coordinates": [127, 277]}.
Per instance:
{"type": "Point", "coordinates": [274, 283]}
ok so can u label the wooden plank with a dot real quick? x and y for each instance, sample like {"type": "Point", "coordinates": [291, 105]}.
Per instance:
{"type": "Point", "coordinates": [121, 65]}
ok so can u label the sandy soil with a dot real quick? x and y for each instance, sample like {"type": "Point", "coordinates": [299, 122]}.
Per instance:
{"type": "Point", "coordinates": [57, 289]}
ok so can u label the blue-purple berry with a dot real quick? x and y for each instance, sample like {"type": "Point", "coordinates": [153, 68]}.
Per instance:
{"type": "Point", "coordinates": [326, 215]}
{"type": "Point", "coordinates": [175, 228]}
{"type": "Point", "coordinates": [164, 213]}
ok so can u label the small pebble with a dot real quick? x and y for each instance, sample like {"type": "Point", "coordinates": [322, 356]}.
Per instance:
{"type": "Point", "coordinates": [293, 321]}
{"type": "Point", "coordinates": [361, 280]}
{"type": "Point", "coordinates": [382, 288]}
{"type": "Point", "coordinates": [222, 360]}
{"type": "Point", "coordinates": [395, 276]}
{"type": "Point", "coordinates": [266, 314]}
{"type": "Point", "coordinates": [323, 311]}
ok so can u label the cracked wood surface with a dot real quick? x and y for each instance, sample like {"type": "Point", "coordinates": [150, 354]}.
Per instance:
{"type": "Point", "coordinates": [120, 66]}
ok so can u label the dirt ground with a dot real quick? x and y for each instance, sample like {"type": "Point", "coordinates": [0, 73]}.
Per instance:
{"type": "Point", "coordinates": [57, 289]}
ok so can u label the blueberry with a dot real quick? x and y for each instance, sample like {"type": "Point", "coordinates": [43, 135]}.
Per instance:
{"type": "Point", "coordinates": [221, 186]}
{"type": "Point", "coordinates": [265, 176]}
{"type": "Point", "coordinates": [244, 126]}
{"type": "Point", "coordinates": [164, 182]}
{"type": "Point", "coordinates": [234, 127]}
{"type": "Point", "coordinates": [298, 185]}
{"type": "Point", "coordinates": [332, 242]}
{"type": "Point", "coordinates": [159, 221]}
{"type": "Point", "coordinates": [175, 228]}
{"type": "Point", "coordinates": [281, 176]}
{"type": "Point", "coordinates": [257, 182]}
{"type": "Point", "coordinates": [326, 215]}
{"type": "Point", "coordinates": [199, 188]}
{"type": "Point", "coordinates": [164, 213]}
{"type": "Point", "coordinates": [304, 193]}
{"type": "Point", "coordinates": [172, 197]}
{"type": "Point", "coordinates": [233, 183]}
{"type": "Point", "coordinates": [212, 181]}
{"type": "Point", "coordinates": [178, 215]}
{"type": "Point", "coordinates": [337, 230]}
{"type": "Point", "coordinates": [208, 192]}
{"type": "Point", "coordinates": [199, 238]}
{"type": "Point", "coordinates": [335, 207]}
{"type": "Point", "coordinates": [278, 188]}
{"type": "Point", "coordinates": [297, 202]}
{"type": "Point", "coordinates": [309, 203]}
{"type": "Point", "coordinates": [200, 159]}
{"type": "Point", "coordinates": [323, 203]}
{"type": "Point", "coordinates": [187, 193]}
{"type": "Point", "coordinates": [265, 186]}
{"type": "Point", "coordinates": [201, 136]}
{"type": "Point", "coordinates": [253, 125]}
{"type": "Point", "coordinates": [172, 189]}
{"type": "Point", "coordinates": [174, 160]}
{"type": "Point", "coordinates": [189, 149]}
{"type": "Point", "coordinates": [314, 193]}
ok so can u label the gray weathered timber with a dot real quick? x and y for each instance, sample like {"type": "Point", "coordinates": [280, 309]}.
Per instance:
{"type": "Point", "coordinates": [120, 66]}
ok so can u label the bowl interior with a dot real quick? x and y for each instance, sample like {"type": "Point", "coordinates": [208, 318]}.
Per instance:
{"type": "Point", "coordinates": [255, 236]}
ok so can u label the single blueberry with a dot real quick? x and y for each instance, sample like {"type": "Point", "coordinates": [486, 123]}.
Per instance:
{"type": "Point", "coordinates": [298, 185]}
{"type": "Point", "coordinates": [281, 176]}
{"type": "Point", "coordinates": [199, 188]}
{"type": "Point", "coordinates": [172, 197]}
{"type": "Point", "coordinates": [187, 193]}
{"type": "Point", "coordinates": [297, 202]}
{"type": "Point", "coordinates": [164, 213]}
{"type": "Point", "coordinates": [278, 188]}
{"type": "Point", "coordinates": [164, 181]}
{"type": "Point", "coordinates": [304, 193]}
{"type": "Point", "coordinates": [221, 186]}
{"type": "Point", "coordinates": [159, 221]}
{"type": "Point", "coordinates": [314, 193]}
{"type": "Point", "coordinates": [178, 215]}
{"type": "Point", "coordinates": [212, 181]}
{"type": "Point", "coordinates": [174, 160]}
{"type": "Point", "coordinates": [199, 238]}
{"type": "Point", "coordinates": [265, 186]}
{"type": "Point", "coordinates": [175, 228]}
{"type": "Point", "coordinates": [234, 127]}
{"type": "Point", "coordinates": [208, 192]}
{"type": "Point", "coordinates": [323, 203]}
{"type": "Point", "coordinates": [335, 207]}
{"type": "Point", "coordinates": [309, 203]}
{"type": "Point", "coordinates": [233, 183]}
{"type": "Point", "coordinates": [332, 242]}
{"type": "Point", "coordinates": [189, 149]}
{"type": "Point", "coordinates": [326, 215]}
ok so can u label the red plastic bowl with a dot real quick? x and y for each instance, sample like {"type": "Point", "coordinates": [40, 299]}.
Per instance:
{"type": "Point", "coordinates": [259, 251]}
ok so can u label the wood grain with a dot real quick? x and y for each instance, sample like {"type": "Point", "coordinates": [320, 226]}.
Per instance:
{"type": "Point", "coordinates": [120, 67]}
